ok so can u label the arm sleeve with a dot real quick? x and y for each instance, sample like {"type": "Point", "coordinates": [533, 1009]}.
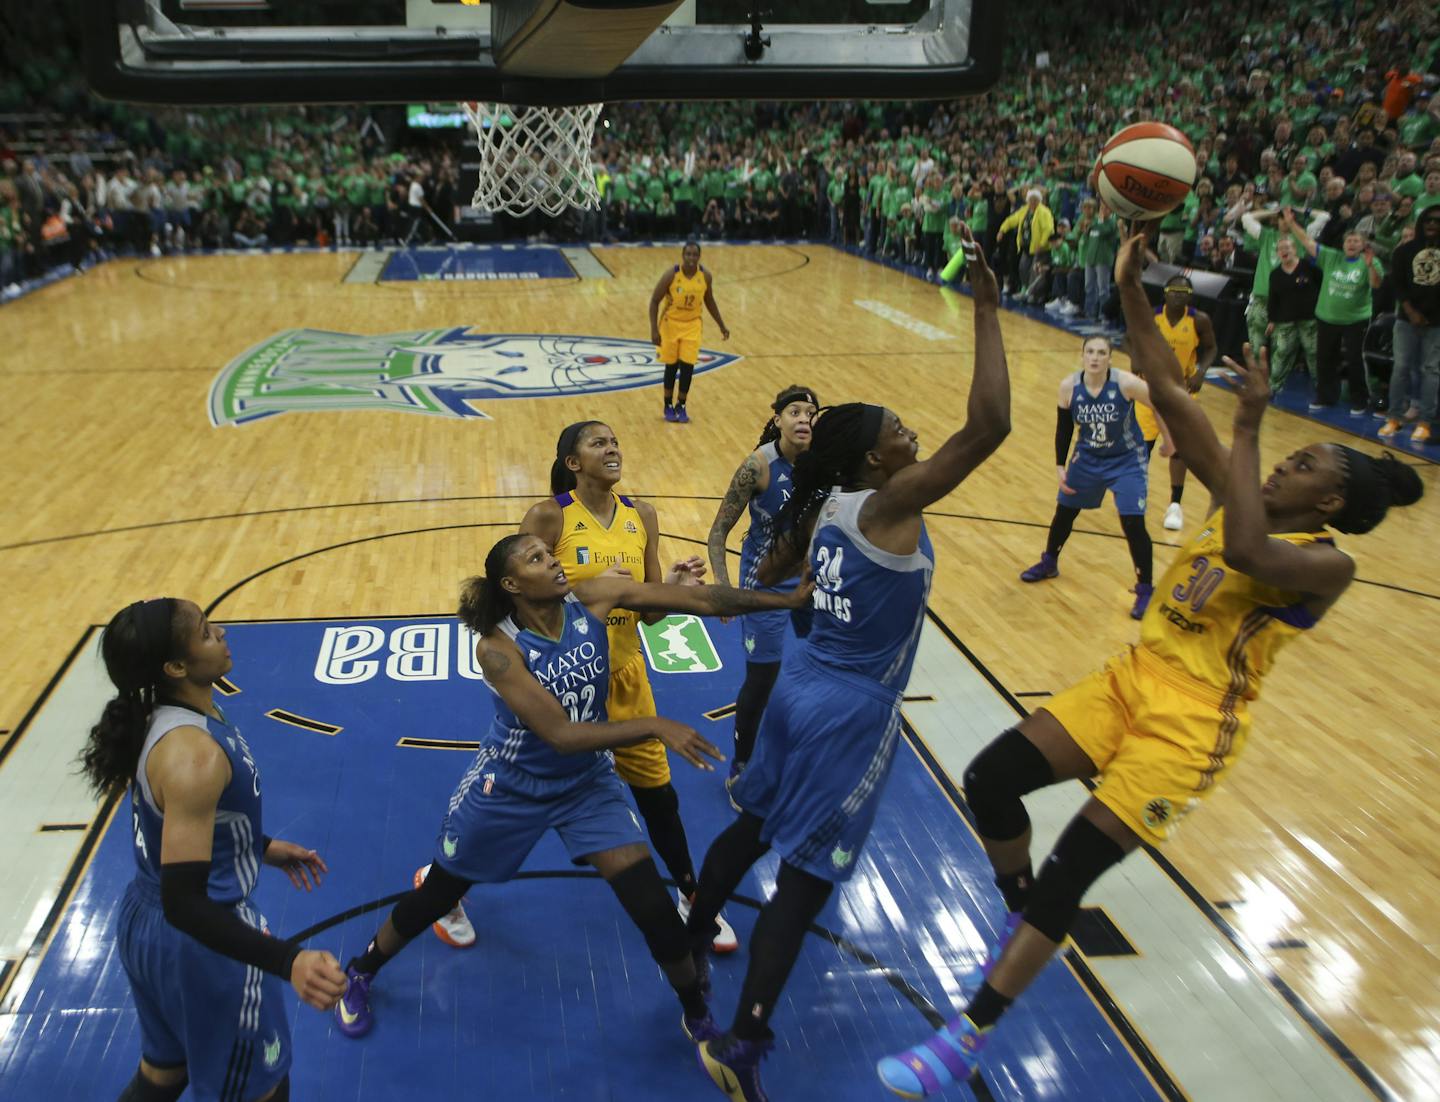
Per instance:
{"type": "Point", "coordinates": [189, 908]}
{"type": "Point", "coordinates": [1064, 433]}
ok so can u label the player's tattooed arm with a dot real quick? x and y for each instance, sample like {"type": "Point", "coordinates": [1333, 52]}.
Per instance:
{"type": "Point", "coordinates": [743, 486]}
{"type": "Point", "coordinates": [494, 663]}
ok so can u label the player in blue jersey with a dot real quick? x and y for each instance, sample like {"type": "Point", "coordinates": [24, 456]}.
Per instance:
{"type": "Point", "coordinates": [1111, 455]}
{"type": "Point", "coordinates": [763, 483]}
{"type": "Point", "coordinates": [829, 732]}
{"type": "Point", "coordinates": [545, 761]}
{"type": "Point", "coordinates": [205, 974]}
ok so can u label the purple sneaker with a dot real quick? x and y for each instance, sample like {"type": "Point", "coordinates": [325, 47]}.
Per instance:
{"type": "Point", "coordinates": [1143, 593]}
{"type": "Point", "coordinates": [681, 415]}
{"type": "Point", "coordinates": [700, 1030]}
{"type": "Point", "coordinates": [1047, 567]}
{"type": "Point", "coordinates": [352, 1013]}
{"type": "Point", "coordinates": [734, 1066]}
{"type": "Point", "coordinates": [952, 1052]}
{"type": "Point", "coordinates": [670, 413]}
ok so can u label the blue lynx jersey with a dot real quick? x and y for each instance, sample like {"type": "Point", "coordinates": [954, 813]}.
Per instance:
{"type": "Point", "coordinates": [1106, 421]}
{"type": "Point", "coordinates": [575, 670]}
{"type": "Point", "coordinates": [235, 852]}
{"type": "Point", "coordinates": [763, 508]}
{"type": "Point", "coordinates": [869, 603]}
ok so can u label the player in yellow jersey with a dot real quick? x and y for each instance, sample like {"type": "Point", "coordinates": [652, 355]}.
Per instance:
{"type": "Point", "coordinates": [1161, 724]}
{"type": "Point", "coordinates": [1191, 337]}
{"type": "Point", "coordinates": [682, 290]}
{"type": "Point", "coordinates": [593, 529]}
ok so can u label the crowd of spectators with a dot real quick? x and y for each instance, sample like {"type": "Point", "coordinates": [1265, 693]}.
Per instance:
{"type": "Point", "coordinates": [1328, 111]}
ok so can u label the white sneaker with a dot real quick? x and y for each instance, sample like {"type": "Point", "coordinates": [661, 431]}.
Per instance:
{"type": "Point", "coordinates": [1054, 305]}
{"type": "Point", "coordinates": [1069, 309]}
{"type": "Point", "coordinates": [1174, 517]}
{"type": "Point", "coordinates": [455, 928]}
{"type": "Point", "coordinates": [725, 941]}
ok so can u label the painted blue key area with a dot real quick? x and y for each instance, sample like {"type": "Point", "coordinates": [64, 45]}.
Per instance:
{"type": "Point", "coordinates": [558, 998]}
{"type": "Point", "coordinates": [477, 262]}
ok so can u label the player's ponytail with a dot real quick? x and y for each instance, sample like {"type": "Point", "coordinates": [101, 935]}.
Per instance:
{"type": "Point", "coordinates": [792, 393]}
{"type": "Point", "coordinates": [484, 602]}
{"type": "Point", "coordinates": [1372, 486]}
{"type": "Point", "coordinates": [562, 478]}
{"type": "Point", "coordinates": [840, 438]}
{"type": "Point", "coordinates": [135, 645]}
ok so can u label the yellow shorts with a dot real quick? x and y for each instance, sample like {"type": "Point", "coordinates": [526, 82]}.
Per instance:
{"type": "Point", "coordinates": [645, 765]}
{"type": "Point", "coordinates": [1160, 741]}
{"type": "Point", "coordinates": [1145, 418]}
{"type": "Point", "coordinates": [679, 340]}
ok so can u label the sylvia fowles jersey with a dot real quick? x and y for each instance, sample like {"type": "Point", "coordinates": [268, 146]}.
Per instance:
{"type": "Point", "coordinates": [763, 508]}
{"type": "Point", "coordinates": [235, 851]}
{"type": "Point", "coordinates": [575, 670]}
{"type": "Point", "coordinates": [869, 603]}
{"type": "Point", "coordinates": [1108, 429]}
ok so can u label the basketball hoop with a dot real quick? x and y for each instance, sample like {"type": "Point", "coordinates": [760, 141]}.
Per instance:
{"type": "Point", "coordinates": [534, 158]}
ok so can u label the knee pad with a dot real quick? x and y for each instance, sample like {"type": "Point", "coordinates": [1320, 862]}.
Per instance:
{"type": "Point", "coordinates": [1004, 771]}
{"type": "Point", "coordinates": [670, 371]}
{"type": "Point", "coordinates": [687, 372]}
{"type": "Point", "coordinates": [281, 1093]}
{"type": "Point", "coordinates": [428, 903]}
{"type": "Point", "coordinates": [648, 903]}
{"type": "Point", "coordinates": [1079, 859]}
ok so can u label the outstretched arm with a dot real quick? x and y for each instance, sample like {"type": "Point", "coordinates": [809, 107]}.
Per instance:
{"type": "Point", "coordinates": [1190, 430]}
{"type": "Point", "coordinates": [570, 733]}
{"type": "Point", "coordinates": [987, 420]}
{"type": "Point", "coordinates": [603, 593]}
{"type": "Point", "coordinates": [1318, 570]}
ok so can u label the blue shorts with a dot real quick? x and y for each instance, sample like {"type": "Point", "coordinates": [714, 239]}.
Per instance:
{"type": "Point", "coordinates": [224, 1021]}
{"type": "Point", "coordinates": [764, 632]}
{"type": "Point", "coordinates": [1124, 477]}
{"type": "Point", "coordinates": [825, 747]}
{"type": "Point", "coordinates": [487, 835]}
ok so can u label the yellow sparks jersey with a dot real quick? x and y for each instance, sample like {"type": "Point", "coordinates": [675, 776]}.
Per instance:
{"type": "Point", "coordinates": [686, 295]}
{"type": "Point", "coordinates": [587, 548]}
{"type": "Point", "coordinates": [1218, 626]}
{"type": "Point", "coordinates": [1184, 341]}
{"type": "Point", "coordinates": [1182, 338]}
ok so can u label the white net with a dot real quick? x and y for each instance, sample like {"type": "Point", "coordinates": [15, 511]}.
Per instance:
{"type": "Point", "coordinates": [535, 158]}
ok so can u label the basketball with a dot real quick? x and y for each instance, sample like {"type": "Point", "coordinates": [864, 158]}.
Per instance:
{"type": "Point", "coordinates": [1145, 170]}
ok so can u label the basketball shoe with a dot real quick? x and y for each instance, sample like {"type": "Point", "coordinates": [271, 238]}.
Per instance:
{"type": "Point", "coordinates": [455, 928]}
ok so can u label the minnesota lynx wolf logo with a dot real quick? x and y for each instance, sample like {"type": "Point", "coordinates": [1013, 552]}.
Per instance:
{"type": "Point", "coordinates": [435, 371]}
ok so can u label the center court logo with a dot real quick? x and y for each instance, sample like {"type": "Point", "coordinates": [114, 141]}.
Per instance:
{"type": "Point", "coordinates": [434, 371]}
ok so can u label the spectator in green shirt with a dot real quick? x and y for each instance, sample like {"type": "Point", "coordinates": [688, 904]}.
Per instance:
{"type": "Point", "coordinates": [1348, 277]}
{"type": "Point", "coordinates": [1099, 234]}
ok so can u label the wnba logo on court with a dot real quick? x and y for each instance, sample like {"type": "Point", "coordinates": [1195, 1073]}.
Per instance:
{"type": "Point", "coordinates": [435, 371]}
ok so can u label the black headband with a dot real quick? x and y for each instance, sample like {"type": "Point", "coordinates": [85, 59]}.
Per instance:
{"type": "Point", "coordinates": [794, 394]}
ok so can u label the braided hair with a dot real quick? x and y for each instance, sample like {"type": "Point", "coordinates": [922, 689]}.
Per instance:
{"type": "Point", "coordinates": [792, 393]}
{"type": "Point", "coordinates": [840, 438]}
{"type": "Point", "coordinates": [135, 645]}
{"type": "Point", "coordinates": [1371, 487]}
{"type": "Point", "coordinates": [562, 478]}
{"type": "Point", "coordinates": [484, 602]}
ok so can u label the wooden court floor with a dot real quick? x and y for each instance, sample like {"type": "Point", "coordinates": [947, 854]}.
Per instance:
{"type": "Point", "coordinates": [1324, 849]}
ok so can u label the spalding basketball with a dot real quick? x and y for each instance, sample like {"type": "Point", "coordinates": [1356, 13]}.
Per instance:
{"type": "Point", "coordinates": [1145, 170]}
